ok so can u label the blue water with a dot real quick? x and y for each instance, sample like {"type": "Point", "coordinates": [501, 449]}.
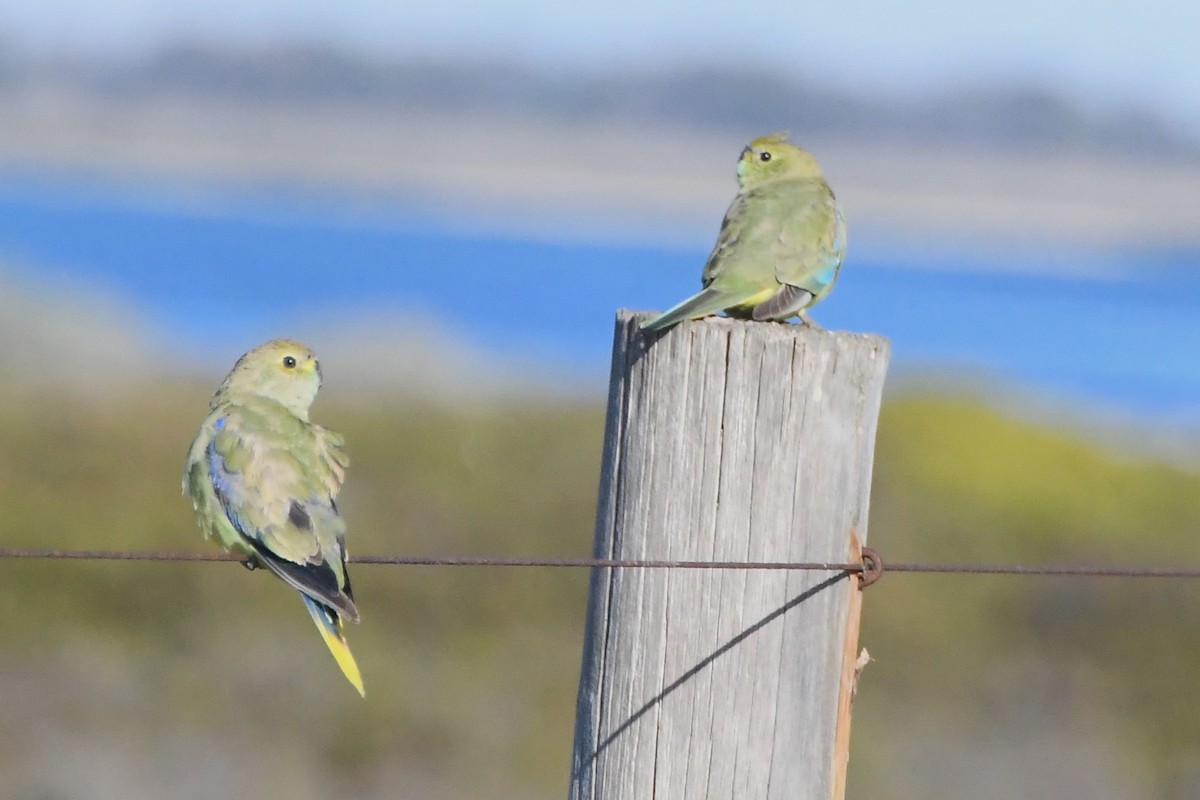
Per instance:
{"type": "Point", "coordinates": [219, 281]}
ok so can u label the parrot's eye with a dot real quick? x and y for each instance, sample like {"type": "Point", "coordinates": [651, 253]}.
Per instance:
{"type": "Point", "coordinates": [289, 362]}
{"type": "Point", "coordinates": [764, 156]}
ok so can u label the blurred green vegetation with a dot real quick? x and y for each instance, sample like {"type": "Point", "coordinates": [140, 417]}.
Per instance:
{"type": "Point", "coordinates": [190, 680]}
{"type": "Point", "coordinates": [1080, 687]}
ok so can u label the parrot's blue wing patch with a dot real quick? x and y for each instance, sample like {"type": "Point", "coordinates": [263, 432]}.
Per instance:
{"type": "Point", "coordinates": [827, 275]}
{"type": "Point", "coordinates": [835, 255]}
{"type": "Point", "coordinates": [229, 488]}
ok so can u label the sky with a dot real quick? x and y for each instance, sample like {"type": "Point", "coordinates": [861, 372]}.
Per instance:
{"type": "Point", "coordinates": [1104, 51]}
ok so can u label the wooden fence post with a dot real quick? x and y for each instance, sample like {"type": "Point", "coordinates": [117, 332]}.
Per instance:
{"type": "Point", "coordinates": [727, 441]}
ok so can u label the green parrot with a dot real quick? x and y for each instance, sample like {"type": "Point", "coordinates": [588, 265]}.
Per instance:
{"type": "Point", "coordinates": [781, 243]}
{"type": "Point", "coordinates": [264, 482]}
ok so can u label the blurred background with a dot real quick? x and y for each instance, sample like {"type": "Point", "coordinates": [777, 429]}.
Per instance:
{"type": "Point", "coordinates": [448, 201]}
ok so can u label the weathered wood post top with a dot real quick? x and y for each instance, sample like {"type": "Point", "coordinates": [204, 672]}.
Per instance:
{"type": "Point", "coordinates": [727, 441]}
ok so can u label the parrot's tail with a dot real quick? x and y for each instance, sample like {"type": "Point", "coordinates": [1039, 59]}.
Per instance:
{"type": "Point", "coordinates": [709, 301]}
{"type": "Point", "coordinates": [330, 626]}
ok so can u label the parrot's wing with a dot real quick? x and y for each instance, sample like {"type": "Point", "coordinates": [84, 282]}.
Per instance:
{"type": "Point", "coordinates": [730, 290]}
{"type": "Point", "coordinates": [273, 478]}
{"type": "Point", "coordinates": [813, 234]}
{"type": "Point", "coordinates": [331, 446]}
{"type": "Point", "coordinates": [732, 227]}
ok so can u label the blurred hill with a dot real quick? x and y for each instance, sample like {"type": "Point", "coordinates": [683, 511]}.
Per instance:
{"type": "Point", "coordinates": [728, 100]}
{"type": "Point", "coordinates": [633, 155]}
{"type": "Point", "coordinates": [79, 341]}
{"type": "Point", "coordinates": [69, 339]}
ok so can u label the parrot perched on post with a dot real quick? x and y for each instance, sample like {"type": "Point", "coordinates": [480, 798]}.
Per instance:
{"type": "Point", "coordinates": [263, 481]}
{"type": "Point", "coordinates": [781, 243]}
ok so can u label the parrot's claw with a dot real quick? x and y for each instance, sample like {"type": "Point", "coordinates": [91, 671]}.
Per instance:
{"type": "Point", "coordinates": [808, 322]}
{"type": "Point", "coordinates": [250, 564]}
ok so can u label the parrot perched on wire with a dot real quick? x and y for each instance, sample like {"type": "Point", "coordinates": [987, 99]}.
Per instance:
{"type": "Point", "coordinates": [264, 482]}
{"type": "Point", "coordinates": [781, 243]}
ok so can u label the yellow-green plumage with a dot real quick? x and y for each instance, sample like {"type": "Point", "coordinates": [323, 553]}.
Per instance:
{"type": "Point", "coordinates": [781, 243]}
{"type": "Point", "coordinates": [264, 481]}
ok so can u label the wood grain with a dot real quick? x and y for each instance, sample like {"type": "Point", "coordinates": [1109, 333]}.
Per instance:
{"type": "Point", "coordinates": [726, 440]}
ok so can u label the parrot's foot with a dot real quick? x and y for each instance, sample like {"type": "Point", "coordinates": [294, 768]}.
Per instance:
{"type": "Point", "coordinates": [250, 564]}
{"type": "Point", "coordinates": [807, 321]}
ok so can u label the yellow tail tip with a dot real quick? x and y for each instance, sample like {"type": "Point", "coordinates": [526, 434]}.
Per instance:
{"type": "Point", "coordinates": [344, 658]}
{"type": "Point", "coordinates": [330, 626]}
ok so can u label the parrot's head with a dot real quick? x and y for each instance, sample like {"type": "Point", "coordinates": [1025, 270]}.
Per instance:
{"type": "Point", "coordinates": [771, 158]}
{"type": "Point", "coordinates": [282, 370]}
